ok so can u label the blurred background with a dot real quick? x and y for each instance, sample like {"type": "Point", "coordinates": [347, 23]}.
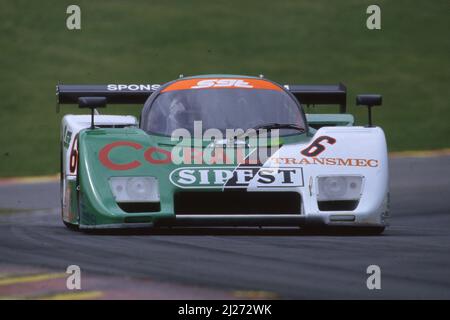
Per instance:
{"type": "Point", "coordinates": [301, 42]}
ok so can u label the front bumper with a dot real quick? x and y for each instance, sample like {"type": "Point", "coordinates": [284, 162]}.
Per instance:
{"type": "Point", "coordinates": [306, 214]}
{"type": "Point", "coordinates": [277, 220]}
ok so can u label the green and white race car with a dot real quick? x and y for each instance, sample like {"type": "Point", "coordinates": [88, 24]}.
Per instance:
{"type": "Point", "coordinates": [221, 150]}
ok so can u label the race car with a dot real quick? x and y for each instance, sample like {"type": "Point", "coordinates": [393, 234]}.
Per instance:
{"type": "Point", "coordinates": [221, 150]}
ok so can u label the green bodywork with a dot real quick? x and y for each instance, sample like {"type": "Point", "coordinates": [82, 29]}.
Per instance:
{"type": "Point", "coordinates": [93, 203]}
{"type": "Point", "coordinates": [96, 202]}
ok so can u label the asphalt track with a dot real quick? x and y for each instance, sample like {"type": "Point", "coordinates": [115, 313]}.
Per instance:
{"type": "Point", "coordinates": [413, 254]}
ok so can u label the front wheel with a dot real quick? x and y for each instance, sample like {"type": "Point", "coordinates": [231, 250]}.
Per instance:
{"type": "Point", "coordinates": [363, 231]}
{"type": "Point", "coordinates": [344, 230]}
{"type": "Point", "coordinates": [62, 185]}
{"type": "Point", "coordinates": [70, 226]}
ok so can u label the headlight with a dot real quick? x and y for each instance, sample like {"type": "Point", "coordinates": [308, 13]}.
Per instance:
{"type": "Point", "coordinates": [333, 188]}
{"type": "Point", "coordinates": [134, 189]}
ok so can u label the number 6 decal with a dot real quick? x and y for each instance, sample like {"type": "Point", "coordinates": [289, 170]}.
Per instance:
{"type": "Point", "coordinates": [73, 160]}
{"type": "Point", "coordinates": [316, 147]}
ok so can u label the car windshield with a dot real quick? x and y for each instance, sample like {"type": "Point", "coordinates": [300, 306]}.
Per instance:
{"type": "Point", "coordinates": [221, 109]}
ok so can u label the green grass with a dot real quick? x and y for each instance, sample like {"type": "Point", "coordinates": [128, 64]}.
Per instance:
{"type": "Point", "coordinates": [287, 41]}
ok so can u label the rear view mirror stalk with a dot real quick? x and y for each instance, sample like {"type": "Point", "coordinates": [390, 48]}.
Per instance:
{"type": "Point", "coordinates": [92, 103]}
{"type": "Point", "coordinates": [369, 100]}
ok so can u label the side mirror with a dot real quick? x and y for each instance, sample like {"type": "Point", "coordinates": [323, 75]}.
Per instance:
{"type": "Point", "coordinates": [92, 103]}
{"type": "Point", "coordinates": [369, 100]}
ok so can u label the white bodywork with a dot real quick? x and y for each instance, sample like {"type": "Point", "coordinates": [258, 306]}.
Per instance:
{"type": "Point", "coordinates": [71, 125]}
{"type": "Point", "coordinates": [358, 151]}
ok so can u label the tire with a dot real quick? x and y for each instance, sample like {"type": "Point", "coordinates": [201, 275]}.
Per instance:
{"type": "Point", "coordinates": [344, 231]}
{"type": "Point", "coordinates": [68, 225]}
{"type": "Point", "coordinates": [363, 231]}
{"type": "Point", "coordinates": [61, 178]}
{"type": "Point", "coordinates": [359, 231]}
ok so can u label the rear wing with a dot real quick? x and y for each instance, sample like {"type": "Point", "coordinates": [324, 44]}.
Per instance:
{"type": "Point", "coordinates": [139, 93]}
{"type": "Point", "coordinates": [114, 93]}
{"type": "Point", "coordinates": [320, 95]}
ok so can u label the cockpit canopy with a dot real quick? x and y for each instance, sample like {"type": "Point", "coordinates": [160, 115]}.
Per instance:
{"type": "Point", "coordinates": [220, 103]}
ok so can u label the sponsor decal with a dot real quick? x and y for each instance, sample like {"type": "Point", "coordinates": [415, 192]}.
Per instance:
{"type": "Point", "coordinates": [67, 137]}
{"type": "Point", "coordinates": [183, 155]}
{"type": "Point", "coordinates": [133, 87]}
{"type": "Point", "coordinates": [346, 162]}
{"type": "Point", "coordinates": [152, 155]}
{"type": "Point", "coordinates": [106, 161]}
{"type": "Point", "coordinates": [222, 83]}
{"type": "Point", "coordinates": [239, 177]}
{"type": "Point", "coordinates": [316, 147]}
{"type": "Point", "coordinates": [73, 159]}
{"type": "Point", "coordinates": [216, 156]}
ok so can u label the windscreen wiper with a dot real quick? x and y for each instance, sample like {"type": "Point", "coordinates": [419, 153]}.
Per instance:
{"type": "Point", "coordinates": [270, 126]}
{"type": "Point", "coordinates": [275, 125]}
